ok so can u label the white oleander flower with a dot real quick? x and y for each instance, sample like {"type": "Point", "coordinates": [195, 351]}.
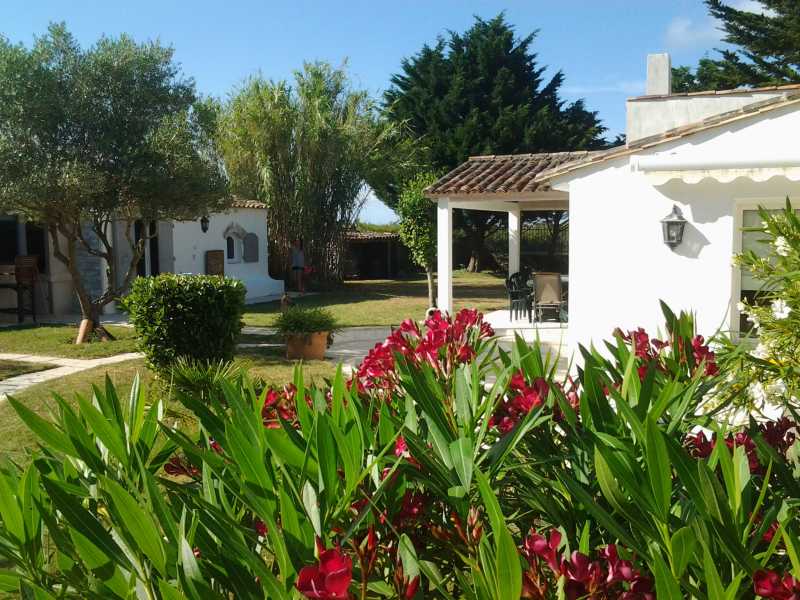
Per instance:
{"type": "Point", "coordinates": [782, 247]}
{"type": "Point", "coordinates": [780, 310]}
{"type": "Point", "coordinates": [777, 388]}
{"type": "Point", "coordinates": [757, 392]}
{"type": "Point", "coordinates": [741, 307]}
{"type": "Point", "coordinates": [753, 318]}
{"type": "Point", "coordinates": [760, 352]}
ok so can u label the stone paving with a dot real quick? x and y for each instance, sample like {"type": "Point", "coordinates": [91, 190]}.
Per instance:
{"type": "Point", "coordinates": [62, 367]}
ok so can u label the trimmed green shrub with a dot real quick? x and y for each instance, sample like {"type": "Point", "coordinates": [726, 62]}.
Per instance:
{"type": "Point", "coordinates": [297, 320]}
{"type": "Point", "coordinates": [190, 316]}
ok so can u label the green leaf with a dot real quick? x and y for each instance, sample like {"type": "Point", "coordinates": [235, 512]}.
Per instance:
{"type": "Point", "coordinates": [716, 590]}
{"type": "Point", "coordinates": [683, 543]}
{"type": "Point", "coordinates": [137, 523]}
{"type": "Point", "coordinates": [461, 454]}
{"type": "Point", "coordinates": [104, 429]}
{"type": "Point", "coordinates": [659, 470]}
{"type": "Point", "coordinates": [667, 587]}
{"type": "Point", "coordinates": [44, 430]}
{"type": "Point", "coordinates": [312, 507]}
{"type": "Point", "coordinates": [85, 522]}
{"type": "Point", "coordinates": [506, 565]}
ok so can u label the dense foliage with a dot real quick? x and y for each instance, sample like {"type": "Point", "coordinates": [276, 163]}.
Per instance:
{"type": "Point", "coordinates": [444, 467]}
{"type": "Point", "coordinates": [198, 317]}
{"type": "Point", "coordinates": [307, 149]}
{"type": "Point", "coordinates": [766, 47]}
{"type": "Point", "coordinates": [112, 134]}
{"type": "Point", "coordinates": [298, 320]}
{"type": "Point", "coordinates": [482, 92]}
{"type": "Point", "coordinates": [418, 226]}
{"type": "Point", "coordinates": [769, 367]}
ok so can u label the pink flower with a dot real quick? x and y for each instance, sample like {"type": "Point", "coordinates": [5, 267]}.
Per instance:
{"type": "Point", "coordinates": [328, 580]}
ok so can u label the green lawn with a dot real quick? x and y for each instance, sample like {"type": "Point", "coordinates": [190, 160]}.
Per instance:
{"type": "Point", "coordinates": [12, 368]}
{"type": "Point", "coordinates": [388, 302]}
{"type": "Point", "coordinates": [57, 340]}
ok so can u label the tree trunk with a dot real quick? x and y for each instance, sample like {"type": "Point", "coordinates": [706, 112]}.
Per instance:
{"type": "Point", "coordinates": [431, 287]}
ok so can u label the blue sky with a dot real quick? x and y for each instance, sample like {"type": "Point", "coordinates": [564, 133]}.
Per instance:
{"type": "Point", "coordinates": [600, 45]}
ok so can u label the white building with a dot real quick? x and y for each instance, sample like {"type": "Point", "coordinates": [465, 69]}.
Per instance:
{"type": "Point", "coordinates": [234, 242]}
{"type": "Point", "coordinates": [715, 156]}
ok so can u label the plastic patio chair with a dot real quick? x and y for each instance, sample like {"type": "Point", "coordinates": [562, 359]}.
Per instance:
{"type": "Point", "coordinates": [519, 296]}
{"type": "Point", "coordinates": [547, 294]}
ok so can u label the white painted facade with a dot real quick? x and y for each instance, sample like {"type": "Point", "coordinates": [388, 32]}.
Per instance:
{"type": "Point", "coordinates": [190, 244]}
{"type": "Point", "coordinates": [619, 265]}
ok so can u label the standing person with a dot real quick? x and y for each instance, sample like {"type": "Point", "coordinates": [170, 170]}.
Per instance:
{"type": "Point", "coordinates": [298, 264]}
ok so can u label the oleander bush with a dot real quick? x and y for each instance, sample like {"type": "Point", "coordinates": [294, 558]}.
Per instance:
{"type": "Point", "coordinates": [197, 317]}
{"type": "Point", "coordinates": [768, 369]}
{"type": "Point", "coordinates": [443, 467]}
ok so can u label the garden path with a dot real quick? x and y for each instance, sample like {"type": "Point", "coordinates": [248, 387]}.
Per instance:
{"type": "Point", "coordinates": [63, 367]}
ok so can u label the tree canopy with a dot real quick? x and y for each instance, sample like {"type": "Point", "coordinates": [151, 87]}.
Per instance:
{"type": "Point", "coordinates": [93, 136]}
{"type": "Point", "coordinates": [308, 149]}
{"type": "Point", "coordinates": [483, 92]}
{"type": "Point", "coordinates": [766, 48]}
{"type": "Point", "coordinates": [418, 225]}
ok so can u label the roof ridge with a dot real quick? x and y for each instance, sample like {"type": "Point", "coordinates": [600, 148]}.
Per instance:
{"type": "Point", "coordinates": [669, 135]}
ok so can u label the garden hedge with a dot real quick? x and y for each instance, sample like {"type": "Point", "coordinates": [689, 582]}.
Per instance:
{"type": "Point", "coordinates": [191, 316]}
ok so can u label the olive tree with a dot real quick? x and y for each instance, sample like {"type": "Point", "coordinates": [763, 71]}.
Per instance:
{"type": "Point", "coordinates": [89, 137]}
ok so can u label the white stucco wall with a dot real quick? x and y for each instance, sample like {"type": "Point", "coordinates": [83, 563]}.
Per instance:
{"type": "Point", "coordinates": [650, 116]}
{"type": "Point", "coordinates": [619, 265]}
{"type": "Point", "coordinates": [189, 246]}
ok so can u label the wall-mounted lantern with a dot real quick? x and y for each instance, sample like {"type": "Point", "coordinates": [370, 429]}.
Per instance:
{"type": "Point", "coordinates": [672, 227]}
{"type": "Point", "coordinates": [204, 224]}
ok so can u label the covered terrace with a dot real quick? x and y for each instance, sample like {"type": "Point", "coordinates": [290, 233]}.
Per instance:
{"type": "Point", "coordinates": [497, 183]}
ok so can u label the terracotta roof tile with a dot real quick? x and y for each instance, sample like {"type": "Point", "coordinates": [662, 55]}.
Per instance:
{"type": "Point", "coordinates": [239, 202]}
{"type": "Point", "coordinates": [500, 174]}
{"type": "Point", "coordinates": [370, 236]}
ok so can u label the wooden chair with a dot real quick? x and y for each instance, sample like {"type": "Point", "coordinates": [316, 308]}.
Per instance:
{"type": "Point", "coordinates": [26, 275]}
{"type": "Point", "coordinates": [547, 294]}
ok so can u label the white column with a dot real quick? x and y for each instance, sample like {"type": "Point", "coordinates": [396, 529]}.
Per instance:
{"type": "Point", "coordinates": [514, 240]}
{"type": "Point", "coordinates": [444, 259]}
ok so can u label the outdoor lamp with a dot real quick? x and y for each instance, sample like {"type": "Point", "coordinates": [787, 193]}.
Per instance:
{"type": "Point", "coordinates": [672, 227]}
{"type": "Point", "coordinates": [204, 224]}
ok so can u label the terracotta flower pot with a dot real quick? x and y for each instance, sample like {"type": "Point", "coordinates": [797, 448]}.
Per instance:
{"type": "Point", "coordinates": [309, 347]}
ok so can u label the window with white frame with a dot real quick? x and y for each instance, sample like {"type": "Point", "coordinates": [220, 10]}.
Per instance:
{"type": "Point", "coordinates": [750, 289]}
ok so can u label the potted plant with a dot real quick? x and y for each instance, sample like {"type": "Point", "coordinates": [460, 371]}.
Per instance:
{"type": "Point", "coordinates": [308, 331]}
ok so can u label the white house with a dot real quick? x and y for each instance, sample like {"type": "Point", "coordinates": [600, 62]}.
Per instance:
{"type": "Point", "coordinates": [233, 242]}
{"type": "Point", "coordinates": [715, 156]}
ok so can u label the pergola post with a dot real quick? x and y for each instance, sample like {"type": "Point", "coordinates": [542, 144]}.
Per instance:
{"type": "Point", "coordinates": [514, 240]}
{"type": "Point", "coordinates": [444, 259]}
{"type": "Point", "coordinates": [22, 236]}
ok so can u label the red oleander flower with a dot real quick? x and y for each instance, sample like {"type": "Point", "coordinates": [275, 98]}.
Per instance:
{"type": "Point", "coordinates": [329, 579]}
{"type": "Point", "coordinates": [768, 584]}
{"type": "Point", "coordinates": [176, 466]}
{"type": "Point", "coordinates": [260, 527]}
{"type": "Point", "coordinates": [522, 399]}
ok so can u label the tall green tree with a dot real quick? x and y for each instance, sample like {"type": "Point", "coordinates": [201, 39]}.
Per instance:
{"type": "Point", "coordinates": [90, 137]}
{"type": "Point", "coordinates": [308, 149]}
{"type": "Point", "coordinates": [418, 226]}
{"type": "Point", "coordinates": [766, 48]}
{"type": "Point", "coordinates": [482, 92]}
